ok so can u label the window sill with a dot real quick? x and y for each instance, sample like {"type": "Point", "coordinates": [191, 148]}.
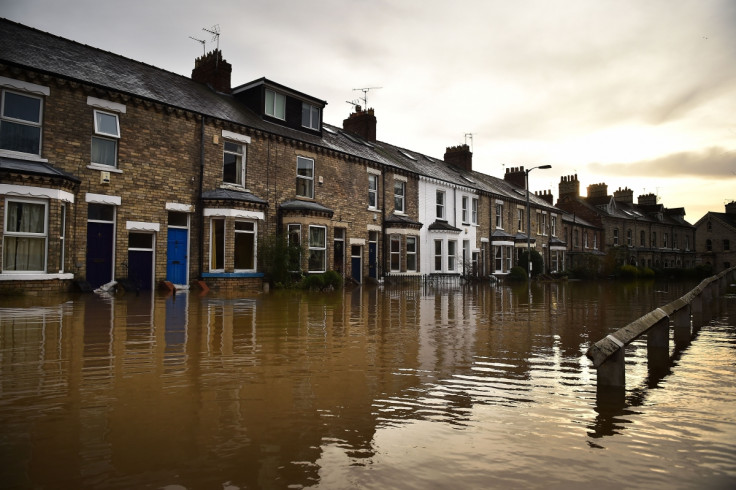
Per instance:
{"type": "Point", "coordinates": [230, 275]}
{"type": "Point", "coordinates": [22, 156]}
{"type": "Point", "coordinates": [34, 276]}
{"type": "Point", "coordinates": [104, 168]}
{"type": "Point", "coordinates": [373, 210]}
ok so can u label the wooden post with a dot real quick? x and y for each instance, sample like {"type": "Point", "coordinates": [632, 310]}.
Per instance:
{"type": "Point", "coordinates": [681, 324]}
{"type": "Point", "coordinates": [658, 345]}
{"type": "Point", "coordinates": [612, 372]}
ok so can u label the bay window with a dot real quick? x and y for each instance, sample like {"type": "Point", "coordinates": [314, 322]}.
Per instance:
{"type": "Point", "coordinates": [317, 249]}
{"type": "Point", "coordinates": [245, 246]}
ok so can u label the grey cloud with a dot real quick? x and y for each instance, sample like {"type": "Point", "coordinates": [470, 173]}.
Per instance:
{"type": "Point", "coordinates": [712, 162]}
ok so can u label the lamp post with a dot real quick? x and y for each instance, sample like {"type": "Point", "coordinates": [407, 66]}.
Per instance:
{"type": "Point", "coordinates": [529, 221]}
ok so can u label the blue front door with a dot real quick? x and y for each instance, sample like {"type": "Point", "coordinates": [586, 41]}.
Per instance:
{"type": "Point", "coordinates": [99, 253]}
{"type": "Point", "coordinates": [176, 256]}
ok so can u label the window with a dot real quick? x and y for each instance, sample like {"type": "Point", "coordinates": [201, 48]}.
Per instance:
{"type": "Point", "coordinates": [338, 250]}
{"type": "Point", "coordinates": [553, 226]}
{"type": "Point", "coordinates": [245, 246]}
{"type": "Point", "coordinates": [615, 237]}
{"type": "Point", "coordinates": [474, 211]}
{"type": "Point", "coordinates": [642, 239]}
{"type": "Point", "coordinates": [466, 254]}
{"type": "Point", "coordinates": [275, 105]}
{"type": "Point", "coordinates": [687, 242]}
{"type": "Point", "coordinates": [629, 237]}
{"type": "Point", "coordinates": [20, 123]}
{"type": "Point", "coordinates": [654, 239]}
{"type": "Point", "coordinates": [317, 249]}
{"type": "Point", "coordinates": [310, 116]}
{"type": "Point", "coordinates": [399, 195]}
{"type": "Point", "coordinates": [451, 252]}
{"type": "Point", "coordinates": [395, 253]}
{"type": "Point", "coordinates": [105, 143]}
{"type": "Point", "coordinates": [708, 245]}
{"type": "Point", "coordinates": [372, 191]}
{"type": "Point", "coordinates": [233, 163]}
{"type": "Point", "coordinates": [499, 215]}
{"type": "Point", "coordinates": [726, 245]}
{"type": "Point", "coordinates": [595, 241]}
{"type": "Point", "coordinates": [585, 239]}
{"type": "Point", "coordinates": [520, 219]}
{"type": "Point", "coordinates": [217, 245]}
{"type": "Point", "coordinates": [539, 223]}
{"type": "Point", "coordinates": [664, 240]}
{"type": "Point", "coordinates": [294, 237]}
{"type": "Point", "coordinates": [411, 253]}
{"type": "Point", "coordinates": [24, 243]}
{"type": "Point", "coordinates": [438, 255]}
{"type": "Point", "coordinates": [440, 205]}
{"type": "Point", "coordinates": [464, 209]}
{"type": "Point", "coordinates": [575, 234]}
{"type": "Point", "coordinates": [674, 241]}
{"type": "Point", "coordinates": [304, 177]}
{"type": "Point", "coordinates": [544, 224]}
{"type": "Point", "coordinates": [62, 238]}
{"type": "Point", "coordinates": [499, 258]}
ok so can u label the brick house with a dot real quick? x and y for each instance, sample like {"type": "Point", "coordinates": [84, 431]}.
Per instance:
{"type": "Point", "coordinates": [644, 234]}
{"type": "Point", "coordinates": [113, 169]}
{"type": "Point", "coordinates": [716, 238]}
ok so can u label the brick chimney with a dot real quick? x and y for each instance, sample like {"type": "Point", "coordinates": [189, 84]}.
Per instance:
{"type": "Point", "coordinates": [212, 70]}
{"type": "Point", "coordinates": [460, 156]}
{"type": "Point", "coordinates": [361, 123]}
{"type": "Point", "coordinates": [648, 200]}
{"type": "Point", "coordinates": [731, 207]}
{"type": "Point", "coordinates": [545, 195]}
{"type": "Point", "coordinates": [569, 187]}
{"type": "Point", "coordinates": [515, 176]}
{"type": "Point", "coordinates": [625, 195]}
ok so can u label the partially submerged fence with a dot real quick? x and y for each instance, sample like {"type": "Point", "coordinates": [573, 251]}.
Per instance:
{"type": "Point", "coordinates": [608, 354]}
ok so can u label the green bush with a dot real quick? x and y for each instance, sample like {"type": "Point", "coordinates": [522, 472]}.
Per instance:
{"type": "Point", "coordinates": [628, 271]}
{"type": "Point", "coordinates": [537, 262]}
{"type": "Point", "coordinates": [333, 280]}
{"type": "Point", "coordinates": [278, 259]}
{"type": "Point", "coordinates": [328, 281]}
{"type": "Point", "coordinates": [517, 273]}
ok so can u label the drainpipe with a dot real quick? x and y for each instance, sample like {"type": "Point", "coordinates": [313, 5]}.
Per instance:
{"type": "Point", "coordinates": [200, 201]}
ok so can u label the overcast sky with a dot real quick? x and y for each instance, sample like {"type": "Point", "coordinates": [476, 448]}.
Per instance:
{"type": "Point", "coordinates": [637, 93]}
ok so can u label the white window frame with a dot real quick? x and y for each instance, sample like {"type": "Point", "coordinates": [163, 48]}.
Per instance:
{"type": "Point", "coordinates": [440, 204]}
{"type": "Point", "coordinates": [21, 234]}
{"type": "Point", "coordinates": [499, 216]}
{"type": "Point", "coordinates": [317, 249]}
{"type": "Point", "coordinates": [394, 253]}
{"type": "Point", "coordinates": [615, 237]}
{"type": "Point", "coordinates": [474, 211]}
{"type": "Point", "coordinates": [553, 225]}
{"type": "Point", "coordinates": [272, 106]}
{"type": "Point", "coordinates": [254, 233]}
{"type": "Point", "coordinates": [464, 209]}
{"type": "Point", "coordinates": [372, 191]}
{"type": "Point", "coordinates": [240, 179]}
{"type": "Point", "coordinates": [307, 181]}
{"type": "Point", "coordinates": [400, 198]}
{"type": "Point", "coordinates": [438, 247]}
{"type": "Point", "coordinates": [24, 122]}
{"type": "Point", "coordinates": [451, 255]}
{"type": "Point", "coordinates": [101, 135]}
{"type": "Point", "coordinates": [520, 219]}
{"type": "Point", "coordinates": [312, 115]}
{"type": "Point", "coordinates": [213, 244]}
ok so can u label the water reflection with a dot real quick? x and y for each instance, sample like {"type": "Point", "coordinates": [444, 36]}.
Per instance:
{"type": "Point", "coordinates": [304, 389]}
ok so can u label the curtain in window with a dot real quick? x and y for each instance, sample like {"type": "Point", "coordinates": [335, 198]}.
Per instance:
{"type": "Point", "coordinates": [103, 151]}
{"type": "Point", "coordinates": [25, 253]}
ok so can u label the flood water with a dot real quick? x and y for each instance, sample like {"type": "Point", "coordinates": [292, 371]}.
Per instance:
{"type": "Point", "coordinates": [482, 386]}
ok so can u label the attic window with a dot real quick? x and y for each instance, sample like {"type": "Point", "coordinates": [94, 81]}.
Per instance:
{"type": "Point", "coordinates": [329, 130]}
{"type": "Point", "coordinates": [468, 179]}
{"type": "Point", "coordinates": [407, 155]}
{"type": "Point", "coordinates": [275, 105]}
{"type": "Point", "coordinates": [310, 116]}
{"type": "Point", "coordinates": [356, 140]}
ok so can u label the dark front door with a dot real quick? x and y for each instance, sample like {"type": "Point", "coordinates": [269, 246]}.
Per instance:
{"type": "Point", "coordinates": [373, 260]}
{"type": "Point", "coordinates": [176, 256]}
{"type": "Point", "coordinates": [140, 268]}
{"type": "Point", "coordinates": [99, 253]}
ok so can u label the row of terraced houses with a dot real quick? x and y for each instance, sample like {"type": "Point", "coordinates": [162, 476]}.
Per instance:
{"type": "Point", "coordinates": [111, 168]}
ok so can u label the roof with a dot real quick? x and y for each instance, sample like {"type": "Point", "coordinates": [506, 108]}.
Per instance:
{"type": "Point", "coordinates": [403, 220]}
{"type": "Point", "coordinates": [12, 165]}
{"type": "Point", "coordinates": [310, 206]}
{"type": "Point", "coordinates": [232, 195]}
{"type": "Point", "coordinates": [440, 225]}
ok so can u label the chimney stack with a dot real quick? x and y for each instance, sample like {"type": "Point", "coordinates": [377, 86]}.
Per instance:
{"type": "Point", "coordinates": [516, 176]}
{"type": "Point", "coordinates": [731, 207]}
{"type": "Point", "coordinates": [569, 187]}
{"type": "Point", "coordinates": [545, 195]}
{"type": "Point", "coordinates": [624, 196]}
{"type": "Point", "coordinates": [460, 156]}
{"type": "Point", "coordinates": [212, 70]}
{"type": "Point", "coordinates": [648, 200]}
{"type": "Point", "coordinates": [597, 191]}
{"type": "Point", "coordinates": [361, 123]}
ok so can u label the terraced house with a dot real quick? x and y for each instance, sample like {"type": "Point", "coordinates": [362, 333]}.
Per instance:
{"type": "Point", "coordinates": [111, 168]}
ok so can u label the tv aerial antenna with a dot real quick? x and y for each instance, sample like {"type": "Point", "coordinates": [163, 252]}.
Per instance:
{"type": "Point", "coordinates": [201, 41]}
{"type": "Point", "coordinates": [365, 91]}
{"type": "Point", "coordinates": [215, 31]}
{"type": "Point", "coordinates": [469, 135]}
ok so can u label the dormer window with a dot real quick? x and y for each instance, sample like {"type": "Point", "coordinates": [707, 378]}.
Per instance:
{"type": "Point", "coordinates": [275, 105]}
{"type": "Point", "coordinates": [310, 116]}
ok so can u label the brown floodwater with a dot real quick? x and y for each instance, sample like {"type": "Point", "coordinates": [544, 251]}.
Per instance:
{"type": "Point", "coordinates": [482, 386]}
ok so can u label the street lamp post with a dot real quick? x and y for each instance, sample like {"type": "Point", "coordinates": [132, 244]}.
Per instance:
{"type": "Point", "coordinates": [529, 221]}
